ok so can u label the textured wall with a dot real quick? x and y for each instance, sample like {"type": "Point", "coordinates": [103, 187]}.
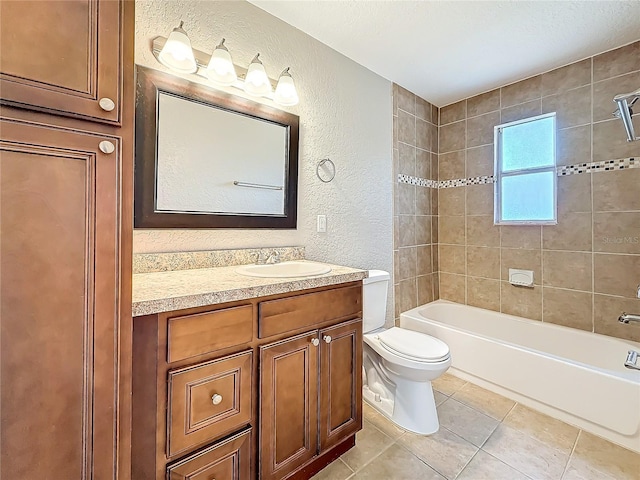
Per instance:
{"type": "Point", "coordinates": [345, 114]}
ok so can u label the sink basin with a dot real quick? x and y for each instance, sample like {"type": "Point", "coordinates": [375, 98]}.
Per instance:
{"type": "Point", "coordinates": [284, 269]}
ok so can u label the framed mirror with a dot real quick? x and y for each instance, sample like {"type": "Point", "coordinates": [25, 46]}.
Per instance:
{"type": "Point", "coordinates": [207, 159]}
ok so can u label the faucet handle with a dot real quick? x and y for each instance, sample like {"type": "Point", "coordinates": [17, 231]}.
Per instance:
{"type": "Point", "coordinates": [275, 256]}
{"type": "Point", "coordinates": [261, 258]}
{"type": "Point", "coordinates": [638, 292]}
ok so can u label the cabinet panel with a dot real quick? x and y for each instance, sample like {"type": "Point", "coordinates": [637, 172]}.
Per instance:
{"type": "Point", "coordinates": [62, 56]}
{"type": "Point", "coordinates": [58, 283]}
{"type": "Point", "coordinates": [227, 460]}
{"type": "Point", "coordinates": [340, 382]}
{"type": "Point", "coordinates": [288, 405]}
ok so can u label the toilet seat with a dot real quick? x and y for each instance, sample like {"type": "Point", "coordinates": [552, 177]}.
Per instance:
{"type": "Point", "coordinates": [413, 345]}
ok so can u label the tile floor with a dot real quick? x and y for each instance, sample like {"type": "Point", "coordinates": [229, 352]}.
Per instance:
{"type": "Point", "coordinates": [482, 436]}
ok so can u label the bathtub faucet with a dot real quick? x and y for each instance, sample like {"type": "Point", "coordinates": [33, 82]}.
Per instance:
{"type": "Point", "coordinates": [628, 318]}
{"type": "Point", "coordinates": [632, 359]}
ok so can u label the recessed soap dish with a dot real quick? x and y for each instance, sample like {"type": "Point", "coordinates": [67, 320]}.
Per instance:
{"type": "Point", "coordinates": [521, 278]}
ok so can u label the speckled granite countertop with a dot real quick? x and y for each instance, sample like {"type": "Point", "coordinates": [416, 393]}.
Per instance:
{"type": "Point", "coordinates": [179, 289]}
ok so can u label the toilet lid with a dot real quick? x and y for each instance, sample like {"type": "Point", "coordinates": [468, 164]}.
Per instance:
{"type": "Point", "coordinates": [414, 345]}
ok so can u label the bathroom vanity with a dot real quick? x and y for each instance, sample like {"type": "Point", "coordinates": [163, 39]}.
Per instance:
{"type": "Point", "coordinates": [241, 378]}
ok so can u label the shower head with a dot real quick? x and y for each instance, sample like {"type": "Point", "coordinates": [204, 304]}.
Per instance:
{"type": "Point", "coordinates": [624, 112]}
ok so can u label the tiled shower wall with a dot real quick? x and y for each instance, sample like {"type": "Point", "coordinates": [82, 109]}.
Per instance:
{"type": "Point", "coordinates": [587, 267]}
{"type": "Point", "coordinates": [415, 147]}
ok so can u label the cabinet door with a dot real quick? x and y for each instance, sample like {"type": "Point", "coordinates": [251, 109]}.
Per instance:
{"type": "Point", "coordinates": [63, 57]}
{"type": "Point", "coordinates": [59, 310]}
{"type": "Point", "coordinates": [340, 382]}
{"type": "Point", "coordinates": [288, 405]}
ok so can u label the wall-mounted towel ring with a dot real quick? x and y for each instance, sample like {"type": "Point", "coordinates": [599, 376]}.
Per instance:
{"type": "Point", "coordinates": [326, 170]}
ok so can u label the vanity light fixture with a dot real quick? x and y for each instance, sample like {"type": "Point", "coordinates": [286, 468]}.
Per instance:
{"type": "Point", "coordinates": [176, 53]}
{"type": "Point", "coordinates": [220, 69]}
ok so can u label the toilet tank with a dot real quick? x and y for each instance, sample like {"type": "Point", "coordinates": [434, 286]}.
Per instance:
{"type": "Point", "coordinates": [374, 300]}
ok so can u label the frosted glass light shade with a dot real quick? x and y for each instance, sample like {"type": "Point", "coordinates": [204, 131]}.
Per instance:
{"type": "Point", "coordinates": [286, 93]}
{"type": "Point", "coordinates": [257, 82]}
{"type": "Point", "coordinates": [177, 53]}
{"type": "Point", "coordinates": [220, 69]}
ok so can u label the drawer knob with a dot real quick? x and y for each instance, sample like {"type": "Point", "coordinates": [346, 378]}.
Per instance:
{"type": "Point", "coordinates": [216, 399]}
{"type": "Point", "coordinates": [315, 342]}
{"type": "Point", "coordinates": [107, 147]}
{"type": "Point", "coordinates": [327, 338]}
{"type": "Point", "coordinates": [107, 104]}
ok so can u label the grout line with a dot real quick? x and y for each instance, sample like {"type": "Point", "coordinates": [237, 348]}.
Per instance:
{"type": "Point", "coordinates": [593, 235]}
{"type": "Point", "coordinates": [573, 449]}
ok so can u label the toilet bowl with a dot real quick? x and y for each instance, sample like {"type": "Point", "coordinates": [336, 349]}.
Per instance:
{"type": "Point", "coordinates": [399, 364]}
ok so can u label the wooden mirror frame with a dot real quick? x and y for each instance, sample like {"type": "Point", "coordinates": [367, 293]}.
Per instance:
{"type": "Point", "coordinates": [149, 83]}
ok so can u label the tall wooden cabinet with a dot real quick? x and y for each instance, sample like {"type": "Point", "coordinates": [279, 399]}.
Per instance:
{"type": "Point", "coordinates": [66, 163]}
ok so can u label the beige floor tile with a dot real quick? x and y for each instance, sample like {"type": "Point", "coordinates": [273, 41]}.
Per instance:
{"type": "Point", "coordinates": [370, 442]}
{"type": "Point", "coordinates": [337, 470]}
{"type": "Point", "coordinates": [603, 456]}
{"type": "Point", "coordinates": [448, 384]}
{"type": "Point", "coordinates": [381, 422]}
{"type": "Point", "coordinates": [470, 424]}
{"type": "Point", "coordinates": [487, 402]}
{"type": "Point", "coordinates": [439, 397]}
{"type": "Point", "coordinates": [486, 467]}
{"type": "Point", "coordinates": [548, 430]}
{"type": "Point", "coordinates": [444, 451]}
{"type": "Point", "coordinates": [396, 463]}
{"type": "Point", "coordinates": [579, 470]}
{"type": "Point", "coordinates": [526, 454]}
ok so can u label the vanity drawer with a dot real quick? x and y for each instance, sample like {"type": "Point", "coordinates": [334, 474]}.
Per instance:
{"type": "Point", "coordinates": [302, 311]}
{"type": "Point", "coordinates": [226, 460]}
{"type": "Point", "coordinates": [208, 400]}
{"type": "Point", "coordinates": [201, 333]}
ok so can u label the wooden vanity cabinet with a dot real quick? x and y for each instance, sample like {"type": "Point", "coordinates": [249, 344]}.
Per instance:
{"type": "Point", "coordinates": [295, 390]}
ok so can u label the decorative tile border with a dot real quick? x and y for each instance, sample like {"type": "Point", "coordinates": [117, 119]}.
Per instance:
{"type": "Point", "coordinates": [587, 167]}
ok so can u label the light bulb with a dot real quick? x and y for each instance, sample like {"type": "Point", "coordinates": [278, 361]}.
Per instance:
{"type": "Point", "coordinates": [257, 82]}
{"type": "Point", "coordinates": [220, 69]}
{"type": "Point", "coordinates": [286, 93]}
{"type": "Point", "coordinates": [177, 53]}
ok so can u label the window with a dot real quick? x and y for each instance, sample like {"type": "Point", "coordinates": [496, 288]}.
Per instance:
{"type": "Point", "coordinates": [525, 172]}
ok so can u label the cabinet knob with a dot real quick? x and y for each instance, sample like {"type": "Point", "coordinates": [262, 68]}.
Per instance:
{"type": "Point", "coordinates": [315, 342]}
{"type": "Point", "coordinates": [107, 104]}
{"type": "Point", "coordinates": [327, 338]}
{"type": "Point", "coordinates": [107, 147]}
{"type": "Point", "coordinates": [216, 399]}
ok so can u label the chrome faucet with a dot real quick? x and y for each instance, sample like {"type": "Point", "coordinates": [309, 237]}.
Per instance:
{"type": "Point", "coordinates": [628, 318]}
{"type": "Point", "coordinates": [274, 257]}
{"type": "Point", "coordinates": [261, 258]}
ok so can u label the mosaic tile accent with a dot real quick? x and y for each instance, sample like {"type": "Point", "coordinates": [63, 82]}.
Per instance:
{"type": "Point", "coordinates": [461, 182]}
{"type": "Point", "coordinates": [602, 166]}
{"type": "Point", "coordinates": [420, 182]}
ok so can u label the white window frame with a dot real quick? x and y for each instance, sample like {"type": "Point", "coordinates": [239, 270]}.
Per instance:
{"type": "Point", "coordinates": [499, 174]}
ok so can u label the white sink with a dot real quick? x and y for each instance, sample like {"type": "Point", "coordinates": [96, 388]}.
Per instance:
{"type": "Point", "coordinates": [284, 269]}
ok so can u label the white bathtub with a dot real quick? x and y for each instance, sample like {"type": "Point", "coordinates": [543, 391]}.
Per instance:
{"type": "Point", "coordinates": [575, 376]}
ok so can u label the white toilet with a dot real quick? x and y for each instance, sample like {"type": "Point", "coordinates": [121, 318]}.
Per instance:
{"type": "Point", "coordinates": [399, 365]}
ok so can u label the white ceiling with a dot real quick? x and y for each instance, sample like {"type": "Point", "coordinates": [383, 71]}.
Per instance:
{"type": "Point", "coordinates": [445, 51]}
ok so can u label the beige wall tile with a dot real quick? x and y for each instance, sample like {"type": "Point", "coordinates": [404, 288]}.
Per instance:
{"type": "Point", "coordinates": [454, 112]}
{"type": "Point", "coordinates": [425, 289]}
{"type": "Point", "coordinates": [521, 236]}
{"type": "Point", "coordinates": [521, 111]}
{"type": "Point", "coordinates": [452, 258]}
{"type": "Point", "coordinates": [616, 190]}
{"type": "Point", "coordinates": [572, 108]}
{"type": "Point", "coordinates": [573, 145]}
{"type": "Point", "coordinates": [565, 78]}
{"type": "Point", "coordinates": [452, 137]}
{"type": "Point", "coordinates": [483, 103]}
{"type": "Point", "coordinates": [617, 62]}
{"type": "Point", "coordinates": [451, 229]}
{"type": "Point", "coordinates": [616, 232]}
{"type": "Point", "coordinates": [406, 230]}
{"type": "Point", "coordinates": [406, 198]}
{"type": "Point", "coordinates": [607, 309]}
{"type": "Point", "coordinates": [406, 100]}
{"type": "Point", "coordinates": [483, 262]}
{"type": "Point", "coordinates": [435, 115]}
{"type": "Point", "coordinates": [434, 170]}
{"type": "Point", "coordinates": [480, 129]}
{"type": "Point", "coordinates": [423, 134]}
{"type": "Point", "coordinates": [452, 165]}
{"type": "Point", "coordinates": [573, 232]}
{"type": "Point", "coordinates": [616, 274]}
{"type": "Point", "coordinates": [521, 259]}
{"type": "Point", "coordinates": [406, 159]}
{"type": "Point", "coordinates": [483, 293]}
{"type": "Point", "coordinates": [434, 137]}
{"type": "Point", "coordinates": [408, 259]}
{"type": "Point", "coordinates": [396, 266]}
{"type": "Point", "coordinates": [480, 199]}
{"type": "Point", "coordinates": [408, 294]}
{"type": "Point", "coordinates": [482, 232]}
{"type": "Point", "coordinates": [406, 128]}
{"type": "Point", "coordinates": [423, 201]}
{"type": "Point", "coordinates": [604, 91]}
{"type": "Point", "coordinates": [521, 301]}
{"type": "Point", "coordinates": [451, 201]}
{"type": "Point", "coordinates": [522, 91]}
{"type": "Point", "coordinates": [610, 140]}
{"type": "Point", "coordinates": [436, 281]}
{"type": "Point", "coordinates": [569, 308]}
{"type": "Point", "coordinates": [423, 164]}
{"type": "Point", "coordinates": [396, 232]}
{"type": "Point", "coordinates": [479, 161]}
{"type": "Point", "coordinates": [423, 109]}
{"type": "Point", "coordinates": [423, 230]}
{"type": "Point", "coordinates": [434, 228]}
{"type": "Point", "coordinates": [567, 269]}
{"type": "Point", "coordinates": [424, 265]}
{"type": "Point", "coordinates": [574, 193]}
{"type": "Point", "coordinates": [452, 287]}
